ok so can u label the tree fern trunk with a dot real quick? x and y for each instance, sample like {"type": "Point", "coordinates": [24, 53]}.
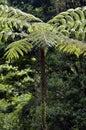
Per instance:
{"type": "Point", "coordinates": [43, 87]}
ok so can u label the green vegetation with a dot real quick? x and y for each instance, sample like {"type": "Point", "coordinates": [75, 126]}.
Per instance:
{"type": "Point", "coordinates": [42, 65]}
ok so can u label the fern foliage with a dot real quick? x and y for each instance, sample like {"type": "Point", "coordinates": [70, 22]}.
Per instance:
{"type": "Point", "coordinates": [72, 24]}
{"type": "Point", "coordinates": [15, 27]}
{"type": "Point", "coordinates": [17, 48]}
{"type": "Point", "coordinates": [10, 17]}
{"type": "Point", "coordinates": [43, 34]}
{"type": "Point", "coordinates": [67, 31]}
{"type": "Point", "coordinates": [71, 46]}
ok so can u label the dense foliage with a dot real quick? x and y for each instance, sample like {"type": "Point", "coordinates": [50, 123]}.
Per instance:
{"type": "Point", "coordinates": [20, 92]}
{"type": "Point", "coordinates": [69, 93]}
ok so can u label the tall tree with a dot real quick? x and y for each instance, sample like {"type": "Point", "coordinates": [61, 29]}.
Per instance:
{"type": "Point", "coordinates": [41, 35]}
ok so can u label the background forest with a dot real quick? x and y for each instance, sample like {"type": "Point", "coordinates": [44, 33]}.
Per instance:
{"type": "Point", "coordinates": [20, 80]}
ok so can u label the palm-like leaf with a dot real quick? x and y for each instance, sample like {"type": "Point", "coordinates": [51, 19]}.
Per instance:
{"type": "Point", "coordinates": [71, 28]}
{"type": "Point", "coordinates": [15, 26]}
{"type": "Point", "coordinates": [42, 35]}
{"type": "Point", "coordinates": [10, 17]}
{"type": "Point", "coordinates": [17, 48]}
{"type": "Point", "coordinates": [6, 35]}
{"type": "Point", "coordinates": [15, 23]}
{"type": "Point", "coordinates": [67, 31]}
{"type": "Point", "coordinates": [71, 46]}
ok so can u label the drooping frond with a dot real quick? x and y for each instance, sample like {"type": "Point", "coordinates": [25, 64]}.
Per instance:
{"type": "Point", "coordinates": [42, 35]}
{"type": "Point", "coordinates": [66, 30]}
{"type": "Point", "coordinates": [17, 48]}
{"type": "Point", "coordinates": [15, 27]}
{"type": "Point", "coordinates": [72, 25]}
{"type": "Point", "coordinates": [11, 18]}
{"type": "Point", "coordinates": [71, 46]}
{"type": "Point", "coordinates": [6, 35]}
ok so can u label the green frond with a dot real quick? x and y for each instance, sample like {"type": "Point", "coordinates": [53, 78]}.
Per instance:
{"type": "Point", "coordinates": [42, 35]}
{"type": "Point", "coordinates": [75, 22]}
{"type": "Point", "coordinates": [11, 17]}
{"type": "Point", "coordinates": [80, 13]}
{"type": "Point", "coordinates": [70, 23]}
{"type": "Point", "coordinates": [6, 35]}
{"type": "Point", "coordinates": [61, 28]}
{"type": "Point", "coordinates": [73, 32]}
{"type": "Point", "coordinates": [67, 31]}
{"type": "Point", "coordinates": [77, 34]}
{"type": "Point", "coordinates": [74, 15]}
{"type": "Point", "coordinates": [17, 48]}
{"type": "Point", "coordinates": [68, 45]}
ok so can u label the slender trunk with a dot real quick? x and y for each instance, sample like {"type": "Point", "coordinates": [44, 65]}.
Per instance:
{"type": "Point", "coordinates": [43, 87]}
{"type": "Point", "coordinates": [37, 89]}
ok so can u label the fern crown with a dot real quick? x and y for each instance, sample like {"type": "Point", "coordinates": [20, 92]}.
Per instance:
{"type": "Point", "coordinates": [66, 31]}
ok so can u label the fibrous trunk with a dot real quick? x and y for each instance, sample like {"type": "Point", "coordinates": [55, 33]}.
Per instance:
{"type": "Point", "coordinates": [43, 87]}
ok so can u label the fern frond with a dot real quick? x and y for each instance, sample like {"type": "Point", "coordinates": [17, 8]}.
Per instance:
{"type": "Point", "coordinates": [42, 35]}
{"type": "Point", "coordinates": [11, 17]}
{"type": "Point", "coordinates": [17, 48]}
{"type": "Point", "coordinates": [68, 45]}
{"type": "Point", "coordinates": [6, 35]}
{"type": "Point", "coordinates": [75, 22]}
{"type": "Point", "coordinates": [72, 35]}
{"type": "Point", "coordinates": [80, 13]}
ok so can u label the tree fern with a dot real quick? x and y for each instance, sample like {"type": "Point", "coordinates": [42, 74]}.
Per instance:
{"type": "Point", "coordinates": [42, 35]}
{"type": "Point", "coordinates": [15, 26]}
{"type": "Point", "coordinates": [66, 31]}
{"type": "Point", "coordinates": [70, 24]}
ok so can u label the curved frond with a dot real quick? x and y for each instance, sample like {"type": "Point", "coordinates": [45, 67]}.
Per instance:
{"type": "Point", "coordinates": [73, 32]}
{"type": "Point", "coordinates": [75, 23]}
{"type": "Point", "coordinates": [11, 17]}
{"type": "Point", "coordinates": [6, 35]}
{"type": "Point", "coordinates": [71, 46]}
{"type": "Point", "coordinates": [15, 49]}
